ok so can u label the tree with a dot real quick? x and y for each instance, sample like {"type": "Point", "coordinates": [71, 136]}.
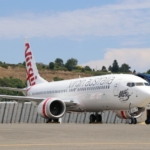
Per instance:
{"type": "Point", "coordinates": [24, 63]}
{"type": "Point", "coordinates": [51, 65]}
{"type": "Point", "coordinates": [71, 64]}
{"type": "Point", "coordinates": [134, 72]}
{"type": "Point", "coordinates": [125, 68]}
{"type": "Point", "coordinates": [104, 68]}
{"type": "Point", "coordinates": [87, 68]}
{"type": "Point", "coordinates": [148, 71]}
{"type": "Point", "coordinates": [115, 66]}
{"type": "Point", "coordinates": [4, 65]}
{"type": "Point", "coordinates": [79, 67]}
{"type": "Point", "coordinates": [59, 62]}
{"type": "Point", "coordinates": [110, 68]}
{"type": "Point", "coordinates": [57, 79]}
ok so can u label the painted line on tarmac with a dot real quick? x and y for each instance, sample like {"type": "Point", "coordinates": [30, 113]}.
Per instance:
{"type": "Point", "coordinates": [69, 144]}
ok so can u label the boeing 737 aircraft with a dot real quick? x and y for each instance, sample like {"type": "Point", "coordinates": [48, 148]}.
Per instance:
{"type": "Point", "coordinates": [125, 94]}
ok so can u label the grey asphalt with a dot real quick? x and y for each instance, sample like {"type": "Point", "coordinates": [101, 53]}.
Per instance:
{"type": "Point", "coordinates": [74, 137]}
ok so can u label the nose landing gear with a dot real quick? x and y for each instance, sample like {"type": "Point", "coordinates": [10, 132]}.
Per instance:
{"type": "Point", "coordinates": [132, 121]}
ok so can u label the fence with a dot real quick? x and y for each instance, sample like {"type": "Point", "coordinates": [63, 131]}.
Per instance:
{"type": "Point", "coordinates": [13, 112]}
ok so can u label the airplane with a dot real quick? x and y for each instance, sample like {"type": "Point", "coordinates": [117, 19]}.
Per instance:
{"type": "Point", "coordinates": [125, 94]}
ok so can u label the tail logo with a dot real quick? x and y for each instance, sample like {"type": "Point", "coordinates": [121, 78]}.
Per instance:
{"type": "Point", "coordinates": [30, 72]}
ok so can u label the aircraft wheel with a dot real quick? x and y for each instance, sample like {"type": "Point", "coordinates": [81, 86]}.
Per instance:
{"type": "Point", "coordinates": [147, 121]}
{"type": "Point", "coordinates": [131, 121]}
{"type": "Point", "coordinates": [49, 120]}
{"type": "Point", "coordinates": [98, 118]}
{"type": "Point", "coordinates": [55, 120]}
{"type": "Point", "coordinates": [134, 121]}
{"type": "Point", "coordinates": [92, 118]}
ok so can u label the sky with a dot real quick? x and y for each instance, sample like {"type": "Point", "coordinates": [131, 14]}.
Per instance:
{"type": "Point", "coordinates": [92, 31]}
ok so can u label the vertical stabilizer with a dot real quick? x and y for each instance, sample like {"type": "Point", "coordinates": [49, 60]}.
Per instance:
{"type": "Point", "coordinates": [33, 76]}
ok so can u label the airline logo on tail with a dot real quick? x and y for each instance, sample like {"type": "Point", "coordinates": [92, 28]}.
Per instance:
{"type": "Point", "coordinates": [30, 72]}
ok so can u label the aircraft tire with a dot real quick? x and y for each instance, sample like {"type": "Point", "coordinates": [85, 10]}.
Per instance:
{"type": "Point", "coordinates": [49, 120]}
{"type": "Point", "coordinates": [147, 121]}
{"type": "Point", "coordinates": [131, 121]}
{"type": "Point", "coordinates": [55, 120]}
{"type": "Point", "coordinates": [92, 118]}
{"type": "Point", "coordinates": [134, 121]}
{"type": "Point", "coordinates": [98, 118]}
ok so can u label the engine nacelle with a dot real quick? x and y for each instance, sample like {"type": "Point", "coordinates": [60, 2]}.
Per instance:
{"type": "Point", "coordinates": [51, 108]}
{"type": "Point", "coordinates": [126, 114]}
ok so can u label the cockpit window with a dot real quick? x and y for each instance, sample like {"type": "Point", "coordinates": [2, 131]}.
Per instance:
{"type": "Point", "coordinates": [139, 84]}
{"type": "Point", "coordinates": [147, 84]}
{"type": "Point", "coordinates": [131, 84]}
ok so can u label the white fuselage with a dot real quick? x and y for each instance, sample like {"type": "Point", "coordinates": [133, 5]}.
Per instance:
{"type": "Point", "coordinates": [108, 92]}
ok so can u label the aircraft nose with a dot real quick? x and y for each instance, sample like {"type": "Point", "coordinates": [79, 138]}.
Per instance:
{"type": "Point", "coordinates": [145, 96]}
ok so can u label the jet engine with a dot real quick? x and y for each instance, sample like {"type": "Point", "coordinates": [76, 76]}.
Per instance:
{"type": "Point", "coordinates": [126, 114]}
{"type": "Point", "coordinates": [51, 108]}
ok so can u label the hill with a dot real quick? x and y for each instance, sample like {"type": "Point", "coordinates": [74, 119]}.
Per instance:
{"type": "Point", "coordinates": [20, 73]}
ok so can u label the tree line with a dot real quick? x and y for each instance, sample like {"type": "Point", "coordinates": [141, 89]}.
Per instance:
{"type": "Point", "coordinates": [72, 64]}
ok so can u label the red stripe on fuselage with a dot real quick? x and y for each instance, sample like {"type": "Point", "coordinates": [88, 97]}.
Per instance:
{"type": "Point", "coordinates": [123, 115]}
{"type": "Point", "coordinates": [44, 108]}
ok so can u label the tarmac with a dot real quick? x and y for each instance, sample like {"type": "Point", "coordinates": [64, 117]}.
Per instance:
{"type": "Point", "coordinates": [74, 137]}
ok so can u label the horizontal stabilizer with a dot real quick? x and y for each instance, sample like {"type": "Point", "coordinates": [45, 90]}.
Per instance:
{"type": "Point", "coordinates": [14, 89]}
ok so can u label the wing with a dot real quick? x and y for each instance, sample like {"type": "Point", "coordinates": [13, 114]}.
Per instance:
{"type": "Point", "coordinates": [36, 100]}
{"type": "Point", "coordinates": [22, 99]}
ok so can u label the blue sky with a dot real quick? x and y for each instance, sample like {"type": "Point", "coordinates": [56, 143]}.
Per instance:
{"type": "Point", "coordinates": [92, 31]}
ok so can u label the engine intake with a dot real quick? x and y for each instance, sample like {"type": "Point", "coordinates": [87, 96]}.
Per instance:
{"type": "Point", "coordinates": [56, 108]}
{"type": "Point", "coordinates": [52, 108]}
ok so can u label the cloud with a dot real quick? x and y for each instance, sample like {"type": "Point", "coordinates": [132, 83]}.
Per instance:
{"type": "Point", "coordinates": [124, 18]}
{"type": "Point", "coordinates": [137, 59]}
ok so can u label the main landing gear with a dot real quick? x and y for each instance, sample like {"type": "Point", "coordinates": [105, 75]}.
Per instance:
{"type": "Point", "coordinates": [52, 121]}
{"type": "Point", "coordinates": [147, 121]}
{"type": "Point", "coordinates": [132, 121]}
{"type": "Point", "coordinates": [95, 118]}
